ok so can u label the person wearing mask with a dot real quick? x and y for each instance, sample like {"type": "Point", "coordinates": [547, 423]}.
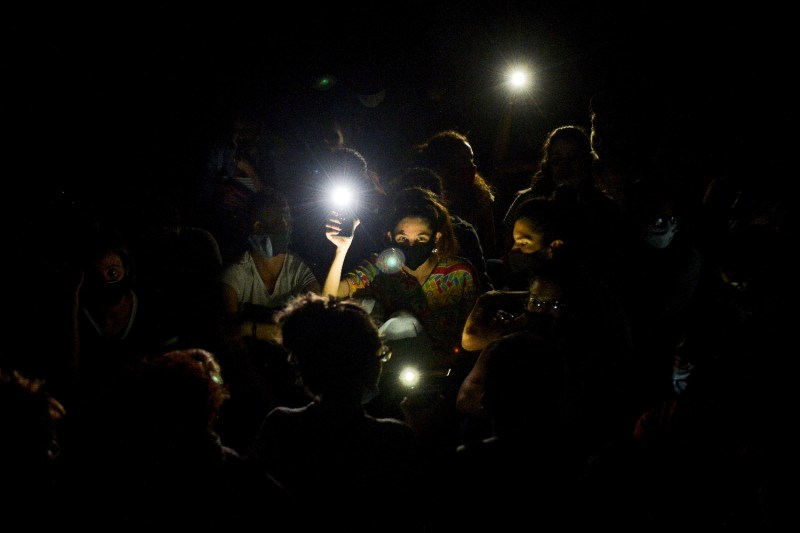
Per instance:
{"type": "Point", "coordinates": [566, 169]}
{"type": "Point", "coordinates": [267, 274]}
{"type": "Point", "coordinates": [422, 291]}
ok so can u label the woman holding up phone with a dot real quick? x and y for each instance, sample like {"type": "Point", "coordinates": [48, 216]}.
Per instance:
{"type": "Point", "coordinates": [422, 290]}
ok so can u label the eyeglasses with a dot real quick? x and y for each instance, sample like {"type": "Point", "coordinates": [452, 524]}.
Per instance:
{"type": "Point", "coordinates": [662, 222]}
{"type": "Point", "coordinates": [535, 304]}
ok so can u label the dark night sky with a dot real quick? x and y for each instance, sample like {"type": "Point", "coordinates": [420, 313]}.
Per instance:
{"type": "Point", "coordinates": [106, 97]}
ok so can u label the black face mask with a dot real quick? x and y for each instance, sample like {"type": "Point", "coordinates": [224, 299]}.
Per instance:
{"type": "Point", "coordinates": [521, 262]}
{"type": "Point", "coordinates": [101, 293]}
{"type": "Point", "coordinates": [543, 324]}
{"type": "Point", "coordinates": [417, 254]}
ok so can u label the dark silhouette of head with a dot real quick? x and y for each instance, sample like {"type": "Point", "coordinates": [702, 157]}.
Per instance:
{"type": "Point", "coordinates": [566, 160]}
{"type": "Point", "coordinates": [335, 344]}
{"type": "Point", "coordinates": [179, 394]}
{"type": "Point", "coordinates": [419, 177]}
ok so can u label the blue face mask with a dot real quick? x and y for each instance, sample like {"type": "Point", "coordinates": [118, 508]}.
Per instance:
{"type": "Point", "coordinates": [269, 244]}
{"type": "Point", "coordinates": [660, 232]}
{"type": "Point", "coordinates": [369, 394]}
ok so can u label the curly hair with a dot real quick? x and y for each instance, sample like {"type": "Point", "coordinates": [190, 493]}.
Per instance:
{"type": "Point", "coordinates": [335, 343]}
{"type": "Point", "coordinates": [181, 389]}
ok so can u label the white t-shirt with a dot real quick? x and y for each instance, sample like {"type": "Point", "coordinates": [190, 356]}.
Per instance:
{"type": "Point", "coordinates": [243, 277]}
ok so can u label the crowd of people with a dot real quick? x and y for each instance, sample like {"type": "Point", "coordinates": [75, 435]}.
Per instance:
{"type": "Point", "coordinates": [611, 339]}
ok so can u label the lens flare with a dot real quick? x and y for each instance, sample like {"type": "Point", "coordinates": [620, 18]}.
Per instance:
{"type": "Point", "coordinates": [409, 376]}
{"type": "Point", "coordinates": [391, 260]}
{"type": "Point", "coordinates": [342, 197]}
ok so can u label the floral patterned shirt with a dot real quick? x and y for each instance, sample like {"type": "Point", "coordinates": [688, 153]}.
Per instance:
{"type": "Point", "coordinates": [441, 304]}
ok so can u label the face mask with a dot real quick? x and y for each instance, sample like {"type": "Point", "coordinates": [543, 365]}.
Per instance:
{"type": "Point", "coordinates": [680, 379]}
{"type": "Point", "coordinates": [543, 324]}
{"type": "Point", "coordinates": [270, 244]}
{"type": "Point", "coordinates": [417, 254]}
{"type": "Point", "coordinates": [521, 262]}
{"type": "Point", "coordinates": [660, 233]}
{"type": "Point", "coordinates": [369, 394]}
{"type": "Point", "coordinates": [103, 293]}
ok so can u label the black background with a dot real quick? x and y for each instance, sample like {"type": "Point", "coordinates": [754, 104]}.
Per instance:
{"type": "Point", "coordinates": [105, 99]}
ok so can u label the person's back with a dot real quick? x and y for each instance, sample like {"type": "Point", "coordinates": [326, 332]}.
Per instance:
{"type": "Point", "coordinates": [523, 471]}
{"type": "Point", "coordinates": [157, 460]}
{"type": "Point", "coordinates": [326, 455]}
{"type": "Point", "coordinates": [345, 466]}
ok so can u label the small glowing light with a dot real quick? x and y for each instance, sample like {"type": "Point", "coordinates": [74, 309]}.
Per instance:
{"type": "Point", "coordinates": [391, 260]}
{"type": "Point", "coordinates": [324, 83]}
{"type": "Point", "coordinates": [409, 376]}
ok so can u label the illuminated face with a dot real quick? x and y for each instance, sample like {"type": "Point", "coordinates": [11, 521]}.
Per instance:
{"type": "Point", "coordinates": [526, 239]}
{"type": "Point", "coordinates": [412, 231]}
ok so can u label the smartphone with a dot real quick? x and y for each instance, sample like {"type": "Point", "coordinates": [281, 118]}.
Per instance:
{"type": "Point", "coordinates": [347, 223]}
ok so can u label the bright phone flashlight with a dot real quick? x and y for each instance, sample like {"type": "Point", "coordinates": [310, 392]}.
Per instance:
{"type": "Point", "coordinates": [409, 376]}
{"type": "Point", "coordinates": [342, 197]}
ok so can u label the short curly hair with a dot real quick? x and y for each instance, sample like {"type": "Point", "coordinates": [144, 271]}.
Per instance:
{"type": "Point", "coordinates": [335, 343]}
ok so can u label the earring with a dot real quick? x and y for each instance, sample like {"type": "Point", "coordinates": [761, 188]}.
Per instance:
{"type": "Point", "coordinates": [435, 251]}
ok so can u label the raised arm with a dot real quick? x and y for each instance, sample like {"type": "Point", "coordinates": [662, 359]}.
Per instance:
{"type": "Point", "coordinates": [334, 285]}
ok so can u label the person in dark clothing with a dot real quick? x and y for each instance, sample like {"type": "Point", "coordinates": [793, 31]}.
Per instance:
{"type": "Point", "coordinates": [344, 465]}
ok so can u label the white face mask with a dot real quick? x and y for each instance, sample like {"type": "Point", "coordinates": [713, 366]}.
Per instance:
{"type": "Point", "coordinates": [660, 232]}
{"type": "Point", "coordinates": [262, 243]}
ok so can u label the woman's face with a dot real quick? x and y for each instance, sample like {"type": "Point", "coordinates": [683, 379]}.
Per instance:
{"type": "Point", "coordinates": [526, 239]}
{"type": "Point", "coordinates": [412, 231]}
{"type": "Point", "coordinates": [273, 220]}
{"type": "Point", "coordinates": [567, 165]}
{"type": "Point", "coordinates": [110, 268]}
